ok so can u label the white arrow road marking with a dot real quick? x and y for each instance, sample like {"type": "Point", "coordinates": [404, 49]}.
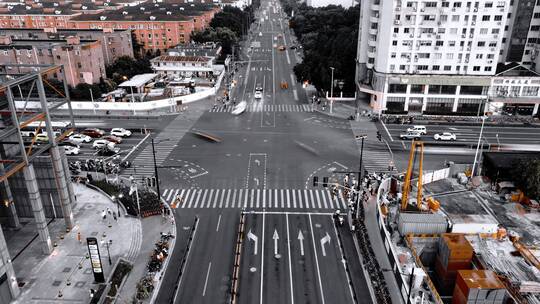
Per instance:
{"type": "Point", "coordinates": [301, 240]}
{"type": "Point", "coordinates": [255, 239]}
{"type": "Point", "coordinates": [325, 239]}
{"type": "Point", "coordinates": [276, 238]}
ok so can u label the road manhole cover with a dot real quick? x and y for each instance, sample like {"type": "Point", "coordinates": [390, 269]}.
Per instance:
{"type": "Point", "coordinates": [253, 269]}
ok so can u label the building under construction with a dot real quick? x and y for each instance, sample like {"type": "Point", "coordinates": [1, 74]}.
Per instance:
{"type": "Point", "coordinates": [35, 179]}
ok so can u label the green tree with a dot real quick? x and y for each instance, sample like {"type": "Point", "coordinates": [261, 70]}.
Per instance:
{"type": "Point", "coordinates": [82, 92]}
{"type": "Point", "coordinates": [127, 67]}
{"type": "Point", "coordinates": [526, 175]}
{"type": "Point", "coordinates": [225, 36]}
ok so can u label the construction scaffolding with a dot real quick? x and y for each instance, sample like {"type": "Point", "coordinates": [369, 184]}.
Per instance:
{"type": "Point", "coordinates": [33, 170]}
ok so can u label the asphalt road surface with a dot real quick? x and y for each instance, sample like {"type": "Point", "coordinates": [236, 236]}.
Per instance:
{"type": "Point", "coordinates": [265, 158]}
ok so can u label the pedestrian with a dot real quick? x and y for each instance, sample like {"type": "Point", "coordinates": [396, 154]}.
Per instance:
{"type": "Point", "coordinates": [104, 214]}
{"type": "Point", "coordinates": [114, 216]}
{"type": "Point", "coordinates": [109, 210]}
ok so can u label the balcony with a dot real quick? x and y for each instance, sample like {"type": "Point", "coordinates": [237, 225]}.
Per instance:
{"type": "Point", "coordinates": [374, 19]}
{"type": "Point", "coordinates": [373, 31]}
{"type": "Point", "coordinates": [372, 43]}
{"type": "Point", "coordinates": [375, 6]}
{"type": "Point", "coordinates": [371, 54]}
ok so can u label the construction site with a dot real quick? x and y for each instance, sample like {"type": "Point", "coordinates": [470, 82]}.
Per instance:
{"type": "Point", "coordinates": [35, 182]}
{"type": "Point", "coordinates": [456, 239]}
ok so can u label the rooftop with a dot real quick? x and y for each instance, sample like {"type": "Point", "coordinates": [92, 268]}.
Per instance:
{"type": "Point", "coordinates": [145, 12]}
{"type": "Point", "coordinates": [169, 58]}
{"type": "Point", "coordinates": [198, 49]}
{"type": "Point", "coordinates": [30, 43]}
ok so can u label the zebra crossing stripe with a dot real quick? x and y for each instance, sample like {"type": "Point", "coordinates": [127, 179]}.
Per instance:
{"type": "Point", "coordinates": [222, 199]}
{"type": "Point", "coordinates": [270, 199]}
{"type": "Point", "coordinates": [264, 199]}
{"type": "Point", "coordinates": [204, 197]}
{"type": "Point", "coordinates": [318, 199]}
{"type": "Point", "coordinates": [181, 194]}
{"type": "Point", "coordinates": [209, 198]}
{"type": "Point", "coordinates": [276, 198]}
{"type": "Point", "coordinates": [258, 197]}
{"type": "Point", "coordinates": [294, 199]}
{"type": "Point", "coordinates": [282, 199]}
{"type": "Point", "coordinates": [234, 198]}
{"type": "Point", "coordinates": [187, 197]}
{"type": "Point", "coordinates": [288, 199]}
{"type": "Point", "coordinates": [216, 198]}
{"type": "Point", "coordinates": [228, 197]}
{"type": "Point", "coordinates": [306, 199]}
{"type": "Point", "coordinates": [329, 198]}
{"type": "Point", "coordinates": [252, 198]}
{"type": "Point", "coordinates": [246, 195]}
{"type": "Point", "coordinates": [323, 198]}
{"type": "Point", "coordinates": [199, 192]}
{"type": "Point", "coordinates": [342, 200]}
{"type": "Point", "coordinates": [312, 199]}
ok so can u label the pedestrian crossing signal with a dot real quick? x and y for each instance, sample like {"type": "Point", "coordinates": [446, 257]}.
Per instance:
{"type": "Point", "coordinates": [325, 181]}
{"type": "Point", "coordinates": [315, 181]}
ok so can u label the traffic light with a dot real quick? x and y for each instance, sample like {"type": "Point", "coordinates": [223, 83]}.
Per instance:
{"type": "Point", "coordinates": [325, 181]}
{"type": "Point", "coordinates": [379, 136]}
{"type": "Point", "coordinates": [315, 181]}
{"type": "Point", "coordinates": [150, 181]}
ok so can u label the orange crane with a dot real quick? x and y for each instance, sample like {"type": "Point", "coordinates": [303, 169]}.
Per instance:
{"type": "Point", "coordinates": [416, 146]}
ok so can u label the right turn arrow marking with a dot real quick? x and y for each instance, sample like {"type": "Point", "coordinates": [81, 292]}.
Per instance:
{"type": "Point", "coordinates": [325, 239]}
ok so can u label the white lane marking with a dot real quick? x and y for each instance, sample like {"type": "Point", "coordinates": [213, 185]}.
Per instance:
{"type": "Point", "coordinates": [228, 197]}
{"type": "Point", "coordinates": [233, 199]}
{"type": "Point", "coordinates": [252, 198]}
{"type": "Point", "coordinates": [258, 197]}
{"type": "Point", "coordinates": [306, 198]}
{"type": "Point", "coordinates": [276, 198]}
{"type": "Point", "coordinates": [209, 198]}
{"type": "Point", "coordinates": [316, 259]}
{"type": "Point", "coordinates": [288, 199]}
{"type": "Point", "coordinates": [275, 237]}
{"type": "Point", "coordinates": [282, 199]}
{"type": "Point", "coordinates": [295, 95]}
{"type": "Point", "coordinates": [294, 199]}
{"type": "Point", "coordinates": [262, 260]}
{"type": "Point", "coordinates": [206, 281]}
{"type": "Point", "coordinates": [246, 198]}
{"type": "Point", "coordinates": [341, 165]}
{"type": "Point", "coordinates": [318, 199]}
{"type": "Point", "coordinates": [218, 222]}
{"type": "Point", "coordinates": [290, 262]}
{"type": "Point", "coordinates": [325, 239]}
{"type": "Point", "coordinates": [204, 196]}
{"type": "Point", "coordinates": [312, 199]}
{"type": "Point", "coordinates": [288, 58]}
{"type": "Point", "coordinates": [323, 198]}
{"type": "Point", "coordinates": [264, 199]}
{"type": "Point", "coordinates": [170, 194]}
{"type": "Point", "coordinates": [197, 199]}
{"type": "Point", "coordinates": [387, 132]}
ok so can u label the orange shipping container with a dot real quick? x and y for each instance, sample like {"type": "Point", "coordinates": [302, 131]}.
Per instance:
{"type": "Point", "coordinates": [458, 297]}
{"type": "Point", "coordinates": [455, 247]}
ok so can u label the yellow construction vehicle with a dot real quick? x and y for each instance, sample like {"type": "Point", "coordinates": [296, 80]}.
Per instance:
{"type": "Point", "coordinates": [416, 145]}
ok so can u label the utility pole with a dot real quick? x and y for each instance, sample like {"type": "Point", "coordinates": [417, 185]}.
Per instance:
{"type": "Point", "coordinates": [156, 170]}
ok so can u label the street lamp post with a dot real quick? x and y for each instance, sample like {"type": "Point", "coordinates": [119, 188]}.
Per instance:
{"type": "Point", "coordinates": [361, 159]}
{"type": "Point", "coordinates": [478, 145]}
{"type": "Point", "coordinates": [155, 166]}
{"type": "Point", "coordinates": [118, 203]}
{"type": "Point", "coordinates": [107, 245]}
{"type": "Point", "coordinates": [332, 89]}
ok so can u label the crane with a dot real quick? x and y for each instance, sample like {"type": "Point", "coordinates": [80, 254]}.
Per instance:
{"type": "Point", "coordinates": [416, 146]}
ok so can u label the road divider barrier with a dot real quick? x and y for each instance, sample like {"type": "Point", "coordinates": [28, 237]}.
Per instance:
{"type": "Point", "coordinates": [237, 257]}
{"type": "Point", "coordinates": [186, 255]}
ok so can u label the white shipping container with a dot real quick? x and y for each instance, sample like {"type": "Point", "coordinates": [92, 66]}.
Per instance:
{"type": "Point", "coordinates": [421, 223]}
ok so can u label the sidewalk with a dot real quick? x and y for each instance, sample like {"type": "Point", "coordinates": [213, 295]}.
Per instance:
{"type": "Point", "coordinates": [342, 110]}
{"type": "Point", "coordinates": [65, 276]}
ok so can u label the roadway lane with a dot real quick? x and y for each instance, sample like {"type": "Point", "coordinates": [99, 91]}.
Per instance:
{"type": "Point", "coordinates": [292, 258]}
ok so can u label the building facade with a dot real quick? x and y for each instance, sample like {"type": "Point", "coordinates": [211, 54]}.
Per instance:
{"type": "Point", "coordinates": [83, 60]}
{"type": "Point", "coordinates": [114, 43]}
{"type": "Point", "coordinates": [434, 57]}
{"type": "Point", "coordinates": [176, 66]}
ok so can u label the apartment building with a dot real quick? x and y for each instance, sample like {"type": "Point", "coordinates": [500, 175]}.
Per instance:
{"type": "Point", "coordinates": [83, 60]}
{"type": "Point", "coordinates": [439, 57]}
{"type": "Point", "coordinates": [187, 66]}
{"type": "Point", "coordinates": [156, 26]}
{"type": "Point", "coordinates": [114, 43]}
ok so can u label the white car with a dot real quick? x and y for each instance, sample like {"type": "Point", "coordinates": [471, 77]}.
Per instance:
{"type": "Point", "coordinates": [258, 93]}
{"type": "Point", "coordinates": [420, 129]}
{"type": "Point", "coordinates": [71, 150]}
{"type": "Point", "coordinates": [43, 137]}
{"type": "Point", "coordinates": [102, 143]}
{"type": "Point", "coordinates": [80, 138]}
{"type": "Point", "coordinates": [121, 132]}
{"type": "Point", "coordinates": [446, 136]}
{"type": "Point", "coordinates": [240, 108]}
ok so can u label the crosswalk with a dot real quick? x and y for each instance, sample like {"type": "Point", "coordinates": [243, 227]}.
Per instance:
{"type": "Point", "coordinates": [165, 142]}
{"type": "Point", "coordinates": [255, 198]}
{"type": "Point", "coordinates": [260, 107]}
{"type": "Point", "coordinates": [376, 155]}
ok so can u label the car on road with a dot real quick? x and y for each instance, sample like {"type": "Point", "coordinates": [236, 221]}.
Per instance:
{"type": "Point", "coordinates": [410, 135]}
{"type": "Point", "coordinates": [120, 132]}
{"type": "Point", "coordinates": [420, 129]}
{"type": "Point", "coordinates": [69, 143]}
{"type": "Point", "coordinates": [69, 150]}
{"type": "Point", "coordinates": [93, 132]}
{"type": "Point", "coordinates": [445, 136]}
{"type": "Point", "coordinates": [80, 138]}
{"type": "Point", "coordinates": [42, 138]}
{"type": "Point", "coordinates": [112, 138]}
{"type": "Point", "coordinates": [240, 108]}
{"type": "Point", "coordinates": [293, 47]}
{"type": "Point", "coordinates": [107, 151]}
{"type": "Point", "coordinates": [260, 34]}
{"type": "Point", "coordinates": [102, 143]}
{"type": "Point", "coordinates": [258, 93]}
{"type": "Point", "coordinates": [282, 48]}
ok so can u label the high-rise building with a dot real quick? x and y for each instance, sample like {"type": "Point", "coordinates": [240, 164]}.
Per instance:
{"type": "Point", "coordinates": [445, 57]}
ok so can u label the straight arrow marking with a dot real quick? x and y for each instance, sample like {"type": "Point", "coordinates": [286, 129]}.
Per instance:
{"type": "Point", "coordinates": [325, 239]}
{"type": "Point", "coordinates": [301, 240]}
{"type": "Point", "coordinates": [276, 238]}
{"type": "Point", "coordinates": [255, 239]}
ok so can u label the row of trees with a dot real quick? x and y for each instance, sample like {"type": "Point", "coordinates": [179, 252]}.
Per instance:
{"type": "Point", "coordinates": [526, 175]}
{"type": "Point", "coordinates": [329, 38]}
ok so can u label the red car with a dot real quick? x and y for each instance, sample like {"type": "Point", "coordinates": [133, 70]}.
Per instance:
{"type": "Point", "coordinates": [94, 133]}
{"type": "Point", "coordinates": [112, 138]}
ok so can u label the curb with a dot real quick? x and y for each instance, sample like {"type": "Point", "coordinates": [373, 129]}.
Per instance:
{"type": "Point", "coordinates": [171, 250]}
{"type": "Point", "coordinates": [109, 197]}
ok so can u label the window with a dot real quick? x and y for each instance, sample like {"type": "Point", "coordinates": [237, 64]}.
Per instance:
{"type": "Point", "coordinates": [483, 31]}
{"type": "Point", "coordinates": [531, 40]}
{"type": "Point", "coordinates": [429, 17]}
{"type": "Point", "coordinates": [58, 57]}
{"type": "Point", "coordinates": [535, 28]}
{"type": "Point", "coordinates": [398, 88]}
{"type": "Point", "coordinates": [79, 65]}
{"type": "Point", "coordinates": [441, 30]}
{"type": "Point", "coordinates": [487, 69]}
{"type": "Point", "coordinates": [536, 16]}
{"type": "Point", "coordinates": [490, 56]}
{"type": "Point", "coordinates": [447, 67]}
{"type": "Point", "coordinates": [435, 67]}
{"type": "Point", "coordinates": [455, 18]}
{"type": "Point", "coordinates": [488, 4]}
{"type": "Point", "coordinates": [486, 18]}
{"type": "Point", "coordinates": [437, 55]}
{"type": "Point", "coordinates": [431, 4]}
{"type": "Point", "coordinates": [453, 31]}
{"type": "Point", "coordinates": [394, 42]}
{"type": "Point", "coordinates": [417, 88]}
{"type": "Point", "coordinates": [450, 56]}
{"type": "Point", "coordinates": [422, 67]}
{"type": "Point", "coordinates": [411, 4]}
{"type": "Point", "coordinates": [451, 43]}
{"type": "Point", "coordinates": [471, 90]}
{"type": "Point", "coordinates": [406, 30]}
{"type": "Point", "coordinates": [443, 18]}
{"type": "Point", "coordinates": [492, 44]}
{"type": "Point", "coordinates": [392, 66]}
{"type": "Point", "coordinates": [442, 89]}
{"type": "Point", "coordinates": [393, 55]}
{"type": "Point", "coordinates": [481, 43]}
{"type": "Point", "coordinates": [396, 30]}
{"type": "Point", "coordinates": [423, 55]}
{"type": "Point", "coordinates": [498, 18]}
{"type": "Point", "coordinates": [402, 68]}
{"type": "Point", "coordinates": [529, 91]}
{"type": "Point", "coordinates": [495, 31]}
{"type": "Point", "coordinates": [457, 4]}
{"type": "Point", "coordinates": [479, 56]}
{"type": "Point", "coordinates": [445, 4]}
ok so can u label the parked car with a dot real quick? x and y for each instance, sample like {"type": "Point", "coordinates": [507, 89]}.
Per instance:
{"type": "Point", "coordinates": [107, 151]}
{"type": "Point", "coordinates": [112, 138]}
{"type": "Point", "coordinates": [120, 132]}
{"type": "Point", "coordinates": [240, 108]}
{"type": "Point", "coordinates": [69, 143]}
{"type": "Point", "coordinates": [420, 129]}
{"type": "Point", "coordinates": [293, 47]}
{"type": "Point", "coordinates": [102, 143]}
{"type": "Point", "coordinates": [93, 132]}
{"type": "Point", "coordinates": [446, 136]}
{"type": "Point", "coordinates": [69, 150]}
{"type": "Point", "coordinates": [80, 138]}
{"type": "Point", "coordinates": [410, 135]}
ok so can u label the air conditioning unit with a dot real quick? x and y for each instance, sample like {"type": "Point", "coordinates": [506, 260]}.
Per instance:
{"type": "Point", "coordinates": [495, 36]}
{"type": "Point", "coordinates": [471, 35]}
{"type": "Point", "coordinates": [473, 23]}
{"type": "Point", "coordinates": [397, 22]}
{"type": "Point", "coordinates": [490, 61]}
{"type": "Point", "coordinates": [395, 35]}
{"type": "Point", "coordinates": [439, 23]}
{"type": "Point", "coordinates": [422, 9]}
{"type": "Point", "coordinates": [438, 37]}
{"type": "Point", "coordinates": [436, 48]}
{"type": "Point", "coordinates": [463, 36]}
{"type": "Point", "coordinates": [468, 49]}
{"type": "Point", "coordinates": [398, 8]}
{"type": "Point", "coordinates": [492, 49]}
{"type": "Point", "coordinates": [453, 9]}
{"type": "Point", "coordinates": [466, 60]}
{"type": "Point", "coordinates": [475, 9]}
{"type": "Point", "coordinates": [499, 23]}
{"type": "Point", "coordinates": [411, 35]}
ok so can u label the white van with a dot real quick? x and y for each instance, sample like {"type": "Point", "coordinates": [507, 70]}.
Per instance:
{"type": "Point", "coordinates": [420, 129]}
